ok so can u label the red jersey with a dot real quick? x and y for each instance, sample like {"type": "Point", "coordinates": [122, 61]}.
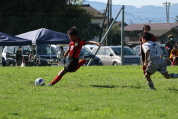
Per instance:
{"type": "Point", "coordinates": [75, 47]}
{"type": "Point", "coordinates": [152, 39]}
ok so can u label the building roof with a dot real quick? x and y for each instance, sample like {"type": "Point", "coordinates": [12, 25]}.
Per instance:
{"type": "Point", "coordinates": [96, 14]}
{"type": "Point", "coordinates": [154, 26]}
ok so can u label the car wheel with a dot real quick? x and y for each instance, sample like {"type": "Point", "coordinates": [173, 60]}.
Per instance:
{"type": "Point", "coordinates": [115, 64]}
{"type": "Point", "coordinates": [11, 64]}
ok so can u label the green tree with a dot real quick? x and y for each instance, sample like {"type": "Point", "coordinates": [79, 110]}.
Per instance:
{"type": "Point", "coordinates": [19, 16]}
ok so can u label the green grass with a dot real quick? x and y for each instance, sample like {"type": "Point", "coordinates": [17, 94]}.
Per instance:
{"type": "Point", "coordinates": [96, 92]}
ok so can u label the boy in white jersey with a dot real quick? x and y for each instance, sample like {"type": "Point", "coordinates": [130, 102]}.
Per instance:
{"type": "Point", "coordinates": [153, 60]}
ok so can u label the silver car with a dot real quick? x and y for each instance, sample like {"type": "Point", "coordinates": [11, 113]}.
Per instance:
{"type": "Point", "coordinates": [111, 55]}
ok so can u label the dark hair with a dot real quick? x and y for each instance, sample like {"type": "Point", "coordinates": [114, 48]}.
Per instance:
{"type": "Point", "coordinates": [146, 35]}
{"type": "Point", "coordinates": [73, 31]}
{"type": "Point", "coordinates": [61, 47]}
{"type": "Point", "coordinates": [147, 26]}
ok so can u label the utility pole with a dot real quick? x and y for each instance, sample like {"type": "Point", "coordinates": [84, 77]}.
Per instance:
{"type": "Point", "coordinates": [109, 20]}
{"type": "Point", "coordinates": [167, 4]}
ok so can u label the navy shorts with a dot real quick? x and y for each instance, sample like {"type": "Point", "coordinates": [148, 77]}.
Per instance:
{"type": "Point", "coordinates": [73, 63]}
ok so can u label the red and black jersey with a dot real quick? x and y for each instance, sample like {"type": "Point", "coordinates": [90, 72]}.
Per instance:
{"type": "Point", "coordinates": [75, 47]}
{"type": "Point", "coordinates": [152, 38]}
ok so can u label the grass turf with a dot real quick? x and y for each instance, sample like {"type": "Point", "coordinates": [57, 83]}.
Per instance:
{"type": "Point", "coordinates": [93, 92]}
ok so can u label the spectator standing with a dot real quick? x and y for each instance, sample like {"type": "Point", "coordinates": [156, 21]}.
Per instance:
{"type": "Point", "coordinates": [19, 56]}
{"type": "Point", "coordinates": [169, 44]}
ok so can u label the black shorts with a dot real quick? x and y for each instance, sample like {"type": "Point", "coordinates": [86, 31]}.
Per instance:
{"type": "Point", "coordinates": [73, 63]}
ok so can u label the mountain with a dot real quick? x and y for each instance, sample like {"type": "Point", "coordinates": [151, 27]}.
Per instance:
{"type": "Point", "coordinates": [144, 14]}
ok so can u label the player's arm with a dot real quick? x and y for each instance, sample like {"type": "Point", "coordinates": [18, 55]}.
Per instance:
{"type": "Point", "coordinates": [147, 54]}
{"type": "Point", "coordinates": [67, 52]}
{"type": "Point", "coordinates": [93, 42]}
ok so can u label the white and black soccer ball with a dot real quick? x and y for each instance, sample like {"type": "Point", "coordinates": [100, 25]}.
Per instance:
{"type": "Point", "coordinates": [39, 82]}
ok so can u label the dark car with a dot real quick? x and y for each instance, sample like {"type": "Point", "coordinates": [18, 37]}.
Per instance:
{"type": "Point", "coordinates": [8, 62]}
{"type": "Point", "coordinates": [84, 52]}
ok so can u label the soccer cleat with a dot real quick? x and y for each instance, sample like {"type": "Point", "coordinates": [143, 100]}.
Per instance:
{"type": "Point", "coordinates": [88, 57]}
{"type": "Point", "coordinates": [49, 85]}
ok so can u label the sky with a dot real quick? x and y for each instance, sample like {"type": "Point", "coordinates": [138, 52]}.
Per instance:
{"type": "Point", "coordinates": [138, 3]}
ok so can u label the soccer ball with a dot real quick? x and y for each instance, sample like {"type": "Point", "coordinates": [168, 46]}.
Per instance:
{"type": "Point", "coordinates": [39, 82]}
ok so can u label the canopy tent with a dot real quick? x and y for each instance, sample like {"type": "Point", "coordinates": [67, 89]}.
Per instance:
{"type": "Point", "coordinates": [45, 36]}
{"type": "Point", "coordinates": [10, 40]}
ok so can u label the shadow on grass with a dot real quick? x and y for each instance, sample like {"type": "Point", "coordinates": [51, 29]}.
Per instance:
{"type": "Point", "coordinates": [113, 86]}
{"type": "Point", "coordinates": [137, 87]}
{"type": "Point", "coordinates": [173, 89]}
{"type": "Point", "coordinates": [103, 86]}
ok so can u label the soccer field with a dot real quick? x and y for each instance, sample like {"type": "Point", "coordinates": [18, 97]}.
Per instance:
{"type": "Point", "coordinates": [94, 92]}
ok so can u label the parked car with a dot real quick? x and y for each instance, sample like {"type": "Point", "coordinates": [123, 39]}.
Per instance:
{"type": "Point", "coordinates": [111, 55]}
{"type": "Point", "coordinates": [162, 46]}
{"type": "Point", "coordinates": [84, 52]}
{"type": "Point", "coordinates": [8, 62]}
{"type": "Point", "coordinates": [46, 53]}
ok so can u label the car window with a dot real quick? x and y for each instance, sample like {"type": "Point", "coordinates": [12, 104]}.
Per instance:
{"type": "Point", "coordinates": [45, 50]}
{"type": "Point", "coordinates": [84, 51]}
{"type": "Point", "coordinates": [12, 49]}
{"type": "Point", "coordinates": [108, 51]}
{"type": "Point", "coordinates": [127, 51]}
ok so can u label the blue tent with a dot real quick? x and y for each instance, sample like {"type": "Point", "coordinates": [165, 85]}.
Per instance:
{"type": "Point", "coordinates": [45, 36]}
{"type": "Point", "coordinates": [10, 40]}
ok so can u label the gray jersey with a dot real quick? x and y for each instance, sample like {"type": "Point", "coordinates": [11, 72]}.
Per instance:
{"type": "Point", "coordinates": [155, 50]}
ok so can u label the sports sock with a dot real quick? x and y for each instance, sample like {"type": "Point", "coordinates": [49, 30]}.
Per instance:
{"type": "Point", "coordinates": [173, 63]}
{"type": "Point", "coordinates": [56, 79]}
{"type": "Point", "coordinates": [151, 85]}
{"type": "Point", "coordinates": [143, 68]}
{"type": "Point", "coordinates": [80, 63]}
{"type": "Point", "coordinates": [173, 75]}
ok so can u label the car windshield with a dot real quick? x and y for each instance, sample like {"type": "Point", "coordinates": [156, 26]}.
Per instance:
{"type": "Point", "coordinates": [85, 51]}
{"type": "Point", "coordinates": [45, 50]}
{"type": "Point", "coordinates": [127, 51]}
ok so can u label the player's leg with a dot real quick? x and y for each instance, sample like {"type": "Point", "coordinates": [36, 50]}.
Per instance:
{"type": "Point", "coordinates": [69, 68]}
{"type": "Point", "coordinates": [58, 77]}
{"type": "Point", "coordinates": [171, 75]}
{"type": "Point", "coordinates": [84, 60]}
{"type": "Point", "coordinates": [81, 63]}
{"type": "Point", "coordinates": [149, 81]}
{"type": "Point", "coordinates": [173, 61]}
{"type": "Point", "coordinates": [150, 70]}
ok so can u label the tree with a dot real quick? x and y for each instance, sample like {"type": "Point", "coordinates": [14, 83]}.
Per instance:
{"type": "Point", "coordinates": [19, 16]}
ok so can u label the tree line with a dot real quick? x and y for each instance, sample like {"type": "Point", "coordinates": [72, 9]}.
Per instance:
{"type": "Point", "coordinates": [19, 16]}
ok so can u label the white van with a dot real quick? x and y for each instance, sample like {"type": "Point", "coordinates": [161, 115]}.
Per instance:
{"type": "Point", "coordinates": [111, 55]}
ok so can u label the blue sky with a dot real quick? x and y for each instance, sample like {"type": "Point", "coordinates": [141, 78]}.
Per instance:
{"type": "Point", "coordinates": [138, 3]}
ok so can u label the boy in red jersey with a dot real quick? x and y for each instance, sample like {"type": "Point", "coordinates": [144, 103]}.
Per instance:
{"type": "Point", "coordinates": [146, 28]}
{"type": "Point", "coordinates": [74, 49]}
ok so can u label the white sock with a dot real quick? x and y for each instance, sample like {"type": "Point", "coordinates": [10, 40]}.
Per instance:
{"type": "Point", "coordinates": [173, 75]}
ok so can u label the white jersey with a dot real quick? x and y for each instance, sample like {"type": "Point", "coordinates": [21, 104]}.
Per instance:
{"type": "Point", "coordinates": [155, 50]}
